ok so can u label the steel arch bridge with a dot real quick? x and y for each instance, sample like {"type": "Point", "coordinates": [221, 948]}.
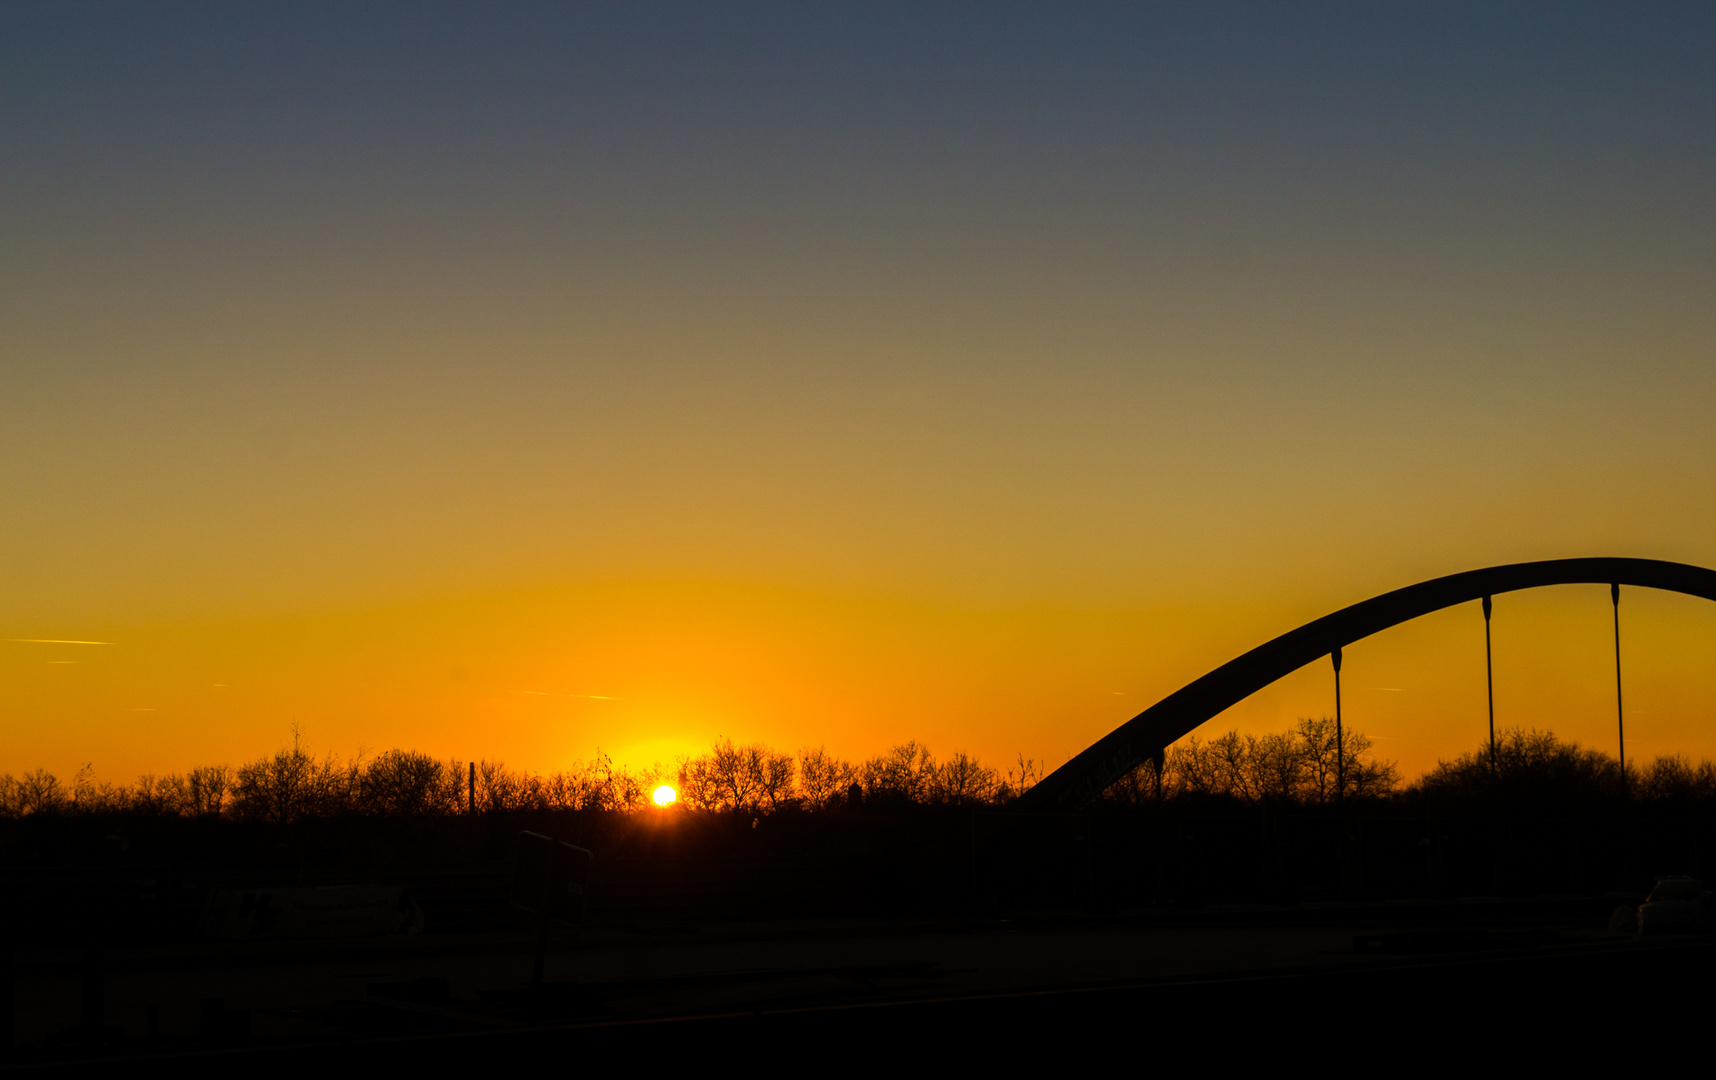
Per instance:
{"type": "Point", "coordinates": [1146, 735]}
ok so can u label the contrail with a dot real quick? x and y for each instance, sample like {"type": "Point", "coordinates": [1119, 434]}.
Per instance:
{"type": "Point", "coordinates": [58, 641]}
{"type": "Point", "coordinates": [550, 693]}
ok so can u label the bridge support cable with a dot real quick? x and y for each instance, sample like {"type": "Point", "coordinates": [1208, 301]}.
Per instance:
{"type": "Point", "coordinates": [1490, 685]}
{"type": "Point", "coordinates": [1620, 719]}
{"type": "Point", "coordinates": [1340, 751]}
{"type": "Point", "coordinates": [1131, 744]}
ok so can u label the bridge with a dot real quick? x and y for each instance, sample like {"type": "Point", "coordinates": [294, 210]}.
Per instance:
{"type": "Point", "coordinates": [1146, 736]}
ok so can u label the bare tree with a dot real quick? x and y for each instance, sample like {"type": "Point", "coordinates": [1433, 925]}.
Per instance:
{"type": "Point", "coordinates": [606, 787]}
{"type": "Point", "coordinates": [1136, 786]}
{"type": "Point", "coordinates": [737, 772]}
{"type": "Point", "coordinates": [1193, 769]}
{"type": "Point", "coordinates": [92, 797]}
{"type": "Point", "coordinates": [498, 789]}
{"type": "Point", "coordinates": [823, 778]}
{"type": "Point", "coordinates": [1233, 756]}
{"type": "Point", "coordinates": [1294, 766]}
{"type": "Point", "coordinates": [206, 789]}
{"type": "Point", "coordinates": [1536, 760]}
{"type": "Point", "coordinates": [1277, 767]}
{"type": "Point", "coordinates": [748, 779]}
{"type": "Point", "coordinates": [1022, 777]}
{"type": "Point", "coordinates": [1672, 776]}
{"type": "Point", "coordinates": [1316, 737]}
{"type": "Point", "coordinates": [155, 796]}
{"type": "Point", "coordinates": [905, 772]}
{"type": "Point", "coordinates": [292, 784]}
{"type": "Point", "coordinates": [401, 782]}
{"type": "Point", "coordinates": [40, 792]}
{"type": "Point", "coordinates": [961, 780]}
{"type": "Point", "coordinates": [697, 784]}
{"type": "Point", "coordinates": [776, 783]}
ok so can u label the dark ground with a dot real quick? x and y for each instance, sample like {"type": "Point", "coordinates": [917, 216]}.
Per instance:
{"type": "Point", "coordinates": [325, 1012]}
{"type": "Point", "coordinates": [807, 952]}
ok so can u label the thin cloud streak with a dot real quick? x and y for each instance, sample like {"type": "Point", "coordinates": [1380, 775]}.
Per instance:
{"type": "Point", "coordinates": [57, 641]}
{"type": "Point", "coordinates": [550, 693]}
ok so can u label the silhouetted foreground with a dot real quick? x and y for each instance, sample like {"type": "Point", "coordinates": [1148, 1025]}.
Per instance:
{"type": "Point", "coordinates": [136, 929]}
{"type": "Point", "coordinates": [1303, 766]}
{"type": "Point", "coordinates": [1532, 999]}
{"type": "Point", "coordinates": [1235, 819]}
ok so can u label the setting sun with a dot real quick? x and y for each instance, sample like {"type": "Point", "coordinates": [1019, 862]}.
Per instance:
{"type": "Point", "coordinates": [665, 795]}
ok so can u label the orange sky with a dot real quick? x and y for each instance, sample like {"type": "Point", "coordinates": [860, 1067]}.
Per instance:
{"type": "Point", "coordinates": [486, 396]}
{"type": "Point", "coordinates": [648, 671]}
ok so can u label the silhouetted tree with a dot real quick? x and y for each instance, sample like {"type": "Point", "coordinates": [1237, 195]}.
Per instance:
{"type": "Point", "coordinates": [154, 796]}
{"type": "Point", "coordinates": [205, 789]}
{"type": "Point", "coordinates": [1674, 778]}
{"type": "Point", "coordinates": [822, 778]}
{"type": "Point", "coordinates": [92, 797]}
{"type": "Point", "coordinates": [292, 784]}
{"type": "Point", "coordinates": [404, 783]}
{"type": "Point", "coordinates": [1022, 777]}
{"type": "Point", "coordinates": [40, 792]}
{"type": "Point", "coordinates": [497, 789]}
{"type": "Point", "coordinates": [1294, 766]}
{"type": "Point", "coordinates": [747, 779]}
{"type": "Point", "coordinates": [1532, 766]}
{"type": "Point", "coordinates": [779, 773]}
{"type": "Point", "coordinates": [905, 773]}
{"type": "Point", "coordinates": [961, 780]}
{"type": "Point", "coordinates": [1192, 769]}
{"type": "Point", "coordinates": [1277, 766]}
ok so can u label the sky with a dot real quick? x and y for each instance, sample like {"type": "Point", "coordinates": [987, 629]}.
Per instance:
{"type": "Point", "coordinates": [529, 381]}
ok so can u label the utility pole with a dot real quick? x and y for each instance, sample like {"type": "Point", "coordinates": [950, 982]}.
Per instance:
{"type": "Point", "coordinates": [1490, 683]}
{"type": "Point", "coordinates": [1620, 724]}
{"type": "Point", "coordinates": [1340, 755]}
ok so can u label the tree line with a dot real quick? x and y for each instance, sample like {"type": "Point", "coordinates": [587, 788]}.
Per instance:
{"type": "Point", "coordinates": [757, 779]}
{"type": "Point", "coordinates": [1537, 765]}
{"type": "Point", "coordinates": [1306, 764]}
{"type": "Point", "coordinates": [1301, 766]}
{"type": "Point", "coordinates": [293, 783]}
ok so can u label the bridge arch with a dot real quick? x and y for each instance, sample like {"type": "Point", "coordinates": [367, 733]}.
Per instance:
{"type": "Point", "coordinates": [1140, 738]}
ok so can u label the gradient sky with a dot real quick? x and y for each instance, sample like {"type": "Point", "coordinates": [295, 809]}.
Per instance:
{"type": "Point", "coordinates": [521, 381]}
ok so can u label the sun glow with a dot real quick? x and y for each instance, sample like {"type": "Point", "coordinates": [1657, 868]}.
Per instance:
{"type": "Point", "coordinates": [665, 795]}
